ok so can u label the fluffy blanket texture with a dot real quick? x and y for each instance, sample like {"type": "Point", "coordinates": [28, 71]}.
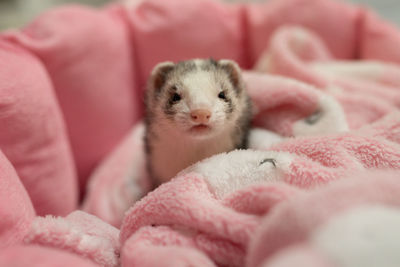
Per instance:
{"type": "Point", "coordinates": [319, 185]}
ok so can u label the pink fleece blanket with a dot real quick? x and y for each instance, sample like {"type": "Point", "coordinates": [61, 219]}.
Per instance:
{"type": "Point", "coordinates": [319, 185]}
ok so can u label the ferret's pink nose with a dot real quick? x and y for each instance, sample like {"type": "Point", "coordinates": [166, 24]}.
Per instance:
{"type": "Point", "coordinates": [200, 115]}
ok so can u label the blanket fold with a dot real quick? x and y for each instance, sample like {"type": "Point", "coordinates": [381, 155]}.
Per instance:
{"type": "Point", "coordinates": [306, 223]}
{"type": "Point", "coordinates": [366, 90]}
{"type": "Point", "coordinates": [80, 233]}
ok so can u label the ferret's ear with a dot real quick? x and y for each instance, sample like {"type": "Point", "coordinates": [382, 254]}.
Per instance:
{"type": "Point", "coordinates": [159, 74]}
{"type": "Point", "coordinates": [233, 70]}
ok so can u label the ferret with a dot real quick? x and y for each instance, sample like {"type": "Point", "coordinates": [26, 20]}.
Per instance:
{"type": "Point", "coordinates": [194, 109]}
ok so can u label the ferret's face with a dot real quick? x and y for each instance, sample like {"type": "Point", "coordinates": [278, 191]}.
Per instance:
{"type": "Point", "coordinates": [199, 97]}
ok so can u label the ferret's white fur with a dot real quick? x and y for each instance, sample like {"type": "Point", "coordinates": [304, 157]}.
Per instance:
{"type": "Point", "coordinates": [175, 148]}
{"type": "Point", "coordinates": [171, 152]}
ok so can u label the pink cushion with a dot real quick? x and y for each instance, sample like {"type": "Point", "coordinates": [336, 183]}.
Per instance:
{"type": "Point", "coordinates": [16, 210]}
{"type": "Point", "coordinates": [33, 135]}
{"type": "Point", "coordinates": [88, 56]}
{"type": "Point", "coordinates": [177, 30]}
{"type": "Point", "coordinates": [379, 39]}
{"type": "Point", "coordinates": [36, 256]}
{"type": "Point", "coordinates": [333, 21]}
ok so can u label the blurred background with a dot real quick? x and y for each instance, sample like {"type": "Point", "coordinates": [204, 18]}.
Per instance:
{"type": "Point", "coordinates": [16, 13]}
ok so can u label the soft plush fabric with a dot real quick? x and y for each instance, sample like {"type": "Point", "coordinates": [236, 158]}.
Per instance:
{"type": "Point", "coordinates": [318, 186]}
{"type": "Point", "coordinates": [337, 24]}
{"type": "Point", "coordinates": [120, 180]}
{"type": "Point", "coordinates": [79, 232]}
{"type": "Point", "coordinates": [291, 108]}
{"type": "Point", "coordinates": [16, 210]}
{"type": "Point", "coordinates": [162, 247]}
{"type": "Point", "coordinates": [178, 30]}
{"type": "Point", "coordinates": [89, 58]}
{"type": "Point", "coordinates": [37, 256]}
{"type": "Point", "coordinates": [378, 39]}
{"type": "Point", "coordinates": [367, 89]}
{"type": "Point", "coordinates": [370, 205]}
{"type": "Point", "coordinates": [216, 187]}
{"type": "Point", "coordinates": [33, 135]}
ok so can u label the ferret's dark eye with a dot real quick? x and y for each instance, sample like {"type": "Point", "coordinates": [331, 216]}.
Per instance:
{"type": "Point", "coordinates": [222, 95]}
{"type": "Point", "coordinates": [176, 97]}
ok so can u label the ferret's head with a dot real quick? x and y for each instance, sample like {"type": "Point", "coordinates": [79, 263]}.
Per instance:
{"type": "Point", "coordinates": [197, 97]}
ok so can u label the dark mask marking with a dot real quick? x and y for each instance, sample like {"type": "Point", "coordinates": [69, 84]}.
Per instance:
{"type": "Point", "coordinates": [230, 108]}
{"type": "Point", "coordinates": [233, 76]}
{"type": "Point", "coordinates": [244, 123]}
{"type": "Point", "coordinates": [161, 77]}
{"type": "Point", "coordinates": [168, 108]}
